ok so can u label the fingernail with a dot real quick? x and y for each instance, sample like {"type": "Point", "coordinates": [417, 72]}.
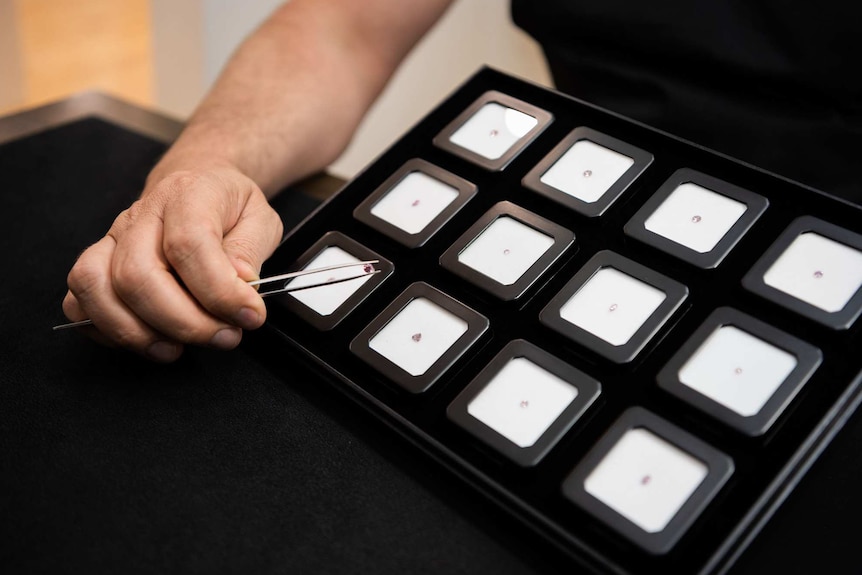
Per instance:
{"type": "Point", "coordinates": [227, 338]}
{"type": "Point", "coordinates": [247, 318]}
{"type": "Point", "coordinates": [163, 351]}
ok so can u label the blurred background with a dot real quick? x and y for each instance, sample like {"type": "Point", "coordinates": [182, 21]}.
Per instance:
{"type": "Point", "coordinates": [164, 54]}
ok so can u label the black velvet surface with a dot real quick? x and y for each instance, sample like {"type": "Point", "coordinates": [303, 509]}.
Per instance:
{"type": "Point", "coordinates": [114, 465]}
{"type": "Point", "coordinates": [241, 462]}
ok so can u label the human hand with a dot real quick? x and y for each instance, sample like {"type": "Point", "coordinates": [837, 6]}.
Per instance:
{"type": "Point", "coordinates": [173, 268]}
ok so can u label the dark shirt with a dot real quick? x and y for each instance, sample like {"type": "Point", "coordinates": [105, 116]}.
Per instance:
{"type": "Point", "coordinates": [774, 83]}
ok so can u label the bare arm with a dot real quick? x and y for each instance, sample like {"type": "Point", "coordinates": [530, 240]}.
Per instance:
{"type": "Point", "coordinates": [286, 106]}
{"type": "Point", "coordinates": [314, 68]}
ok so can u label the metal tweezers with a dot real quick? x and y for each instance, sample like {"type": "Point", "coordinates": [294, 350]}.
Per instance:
{"type": "Point", "coordinates": [367, 270]}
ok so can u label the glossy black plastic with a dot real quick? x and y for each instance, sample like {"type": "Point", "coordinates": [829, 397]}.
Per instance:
{"type": "Point", "coordinates": [765, 467]}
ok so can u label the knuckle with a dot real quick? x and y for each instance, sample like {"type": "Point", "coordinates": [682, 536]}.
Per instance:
{"type": "Point", "coordinates": [178, 188]}
{"type": "Point", "coordinates": [85, 276]}
{"type": "Point", "coordinates": [181, 181]}
{"type": "Point", "coordinates": [124, 219]}
{"type": "Point", "coordinates": [134, 212]}
{"type": "Point", "coordinates": [128, 279]}
{"type": "Point", "coordinates": [140, 208]}
{"type": "Point", "coordinates": [182, 243]}
{"type": "Point", "coordinates": [190, 188]}
{"type": "Point", "coordinates": [71, 307]}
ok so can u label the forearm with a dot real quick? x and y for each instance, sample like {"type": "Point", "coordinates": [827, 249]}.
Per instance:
{"type": "Point", "coordinates": [174, 267]}
{"type": "Point", "coordinates": [291, 97]}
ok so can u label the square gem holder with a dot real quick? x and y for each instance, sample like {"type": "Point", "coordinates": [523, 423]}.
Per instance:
{"type": "Point", "coordinates": [740, 370]}
{"type": "Point", "coordinates": [523, 402]}
{"type": "Point", "coordinates": [814, 269]}
{"type": "Point", "coordinates": [614, 306]}
{"type": "Point", "coordinates": [459, 404]}
{"type": "Point", "coordinates": [419, 336]}
{"type": "Point", "coordinates": [696, 217]}
{"type": "Point", "coordinates": [326, 306]}
{"type": "Point", "coordinates": [507, 250]}
{"type": "Point", "coordinates": [588, 171]}
{"type": "Point", "coordinates": [493, 130]}
{"type": "Point", "coordinates": [413, 204]}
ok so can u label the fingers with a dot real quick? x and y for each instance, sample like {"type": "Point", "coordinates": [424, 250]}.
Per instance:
{"type": "Point", "coordinates": [91, 295]}
{"type": "Point", "coordinates": [174, 267]}
{"type": "Point", "coordinates": [253, 239]}
{"type": "Point", "coordinates": [141, 277]}
{"type": "Point", "coordinates": [216, 237]}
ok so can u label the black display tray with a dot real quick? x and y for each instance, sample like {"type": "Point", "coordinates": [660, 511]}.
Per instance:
{"type": "Point", "coordinates": [764, 467]}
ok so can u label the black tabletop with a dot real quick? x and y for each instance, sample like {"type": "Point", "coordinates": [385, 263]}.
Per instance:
{"type": "Point", "coordinates": [240, 461]}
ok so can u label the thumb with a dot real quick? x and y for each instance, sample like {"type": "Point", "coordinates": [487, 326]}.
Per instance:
{"type": "Point", "coordinates": [253, 239]}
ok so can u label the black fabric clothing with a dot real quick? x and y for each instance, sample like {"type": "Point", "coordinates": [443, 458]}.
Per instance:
{"type": "Point", "coordinates": [774, 83]}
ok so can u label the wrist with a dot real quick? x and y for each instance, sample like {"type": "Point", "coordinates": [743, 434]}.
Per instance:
{"type": "Point", "coordinates": [179, 159]}
{"type": "Point", "coordinates": [205, 146]}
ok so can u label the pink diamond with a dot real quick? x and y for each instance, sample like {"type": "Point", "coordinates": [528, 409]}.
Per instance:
{"type": "Point", "coordinates": [524, 403]}
{"type": "Point", "coordinates": [368, 268]}
{"type": "Point", "coordinates": [613, 307]}
{"type": "Point", "coordinates": [494, 133]}
{"type": "Point", "coordinates": [818, 274]}
{"type": "Point", "coordinates": [588, 173]}
{"type": "Point", "coordinates": [695, 219]}
{"type": "Point", "coordinates": [645, 479]}
{"type": "Point", "coordinates": [416, 337]}
{"type": "Point", "coordinates": [738, 371]}
{"type": "Point", "coordinates": [415, 203]}
{"type": "Point", "coordinates": [506, 252]}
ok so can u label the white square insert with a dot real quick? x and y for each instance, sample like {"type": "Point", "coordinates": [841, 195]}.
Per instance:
{"type": "Point", "coordinates": [414, 202]}
{"type": "Point", "coordinates": [695, 217]}
{"type": "Point", "coordinates": [418, 335]}
{"type": "Point", "coordinates": [645, 479]}
{"type": "Point", "coordinates": [326, 299]}
{"type": "Point", "coordinates": [587, 170]}
{"type": "Point", "coordinates": [492, 130]}
{"type": "Point", "coordinates": [522, 401]}
{"type": "Point", "coordinates": [737, 370]}
{"type": "Point", "coordinates": [818, 271]}
{"type": "Point", "coordinates": [505, 250]}
{"type": "Point", "coordinates": [612, 305]}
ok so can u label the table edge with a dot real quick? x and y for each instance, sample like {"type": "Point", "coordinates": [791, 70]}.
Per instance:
{"type": "Point", "coordinates": [156, 125]}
